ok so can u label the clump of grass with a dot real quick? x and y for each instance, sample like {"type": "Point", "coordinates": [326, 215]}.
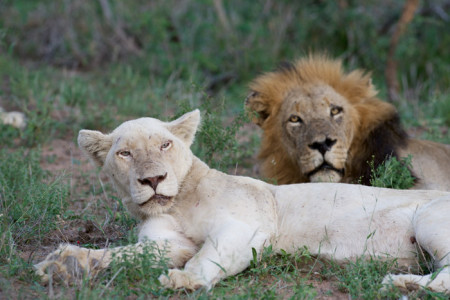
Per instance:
{"type": "Point", "coordinates": [442, 109]}
{"type": "Point", "coordinates": [270, 275]}
{"type": "Point", "coordinates": [9, 135]}
{"type": "Point", "coordinates": [136, 272]}
{"type": "Point", "coordinates": [362, 277]}
{"type": "Point", "coordinates": [392, 173]}
{"type": "Point", "coordinates": [215, 143]}
{"type": "Point", "coordinates": [30, 203]}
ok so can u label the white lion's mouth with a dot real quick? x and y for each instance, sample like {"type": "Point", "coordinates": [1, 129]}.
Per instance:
{"type": "Point", "coordinates": [161, 199]}
{"type": "Point", "coordinates": [325, 167]}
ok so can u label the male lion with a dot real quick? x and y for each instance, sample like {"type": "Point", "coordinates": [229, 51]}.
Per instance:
{"type": "Point", "coordinates": [321, 124]}
{"type": "Point", "coordinates": [209, 221]}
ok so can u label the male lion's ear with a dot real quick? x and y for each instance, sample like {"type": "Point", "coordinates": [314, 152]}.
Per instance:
{"type": "Point", "coordinates": [186, 126]}
{"type": "Point", "coordinates": [95, 144]}
{"type": "Point", "coordinates": [257, 107]}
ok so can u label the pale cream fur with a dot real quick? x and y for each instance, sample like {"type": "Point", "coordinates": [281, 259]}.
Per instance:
{"type": "Point", "coordinates": [13, 118]}
{"type": "Point", "coordinates": [213, 220]}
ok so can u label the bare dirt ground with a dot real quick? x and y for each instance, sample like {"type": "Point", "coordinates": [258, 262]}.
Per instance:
{"type": "Point", "coordinates": [89, 197]}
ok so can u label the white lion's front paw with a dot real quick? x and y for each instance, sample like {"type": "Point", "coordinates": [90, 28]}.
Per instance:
{"type": "Point", "coordinates": [68, 263]}
{"type": "Point", "coordinates": [437, 283]}
{"type": "Point", "coordinates": [405, 282]}
{"type": "Point", "coordinates": [176, 279]}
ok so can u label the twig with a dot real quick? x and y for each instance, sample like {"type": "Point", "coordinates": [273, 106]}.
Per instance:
{"type": "Point", "coordinates": [71, 34]}
{"type": "Point", "coordinates": [391, 65]}
{"type": "Point", "coordinates": [109, 282]}
{"type": "Point", "coordinates": [288, 16]}
{"type": "Point", "coordinates": [126, 40]}
{"type": "Point", "coordinates": [218, 5]}
{"type": "Point", "coordinates": [51, 293]}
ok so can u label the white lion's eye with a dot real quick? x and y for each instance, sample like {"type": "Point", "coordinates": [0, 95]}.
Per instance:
{"type": "Point", "coordinates": [124, 153]}
{"type": "Point", "coordinates": [166, 145]}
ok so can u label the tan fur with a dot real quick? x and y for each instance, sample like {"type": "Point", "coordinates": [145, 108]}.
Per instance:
{"type": "Point", "coordinates": [366, 127]}
{"type": "Point", "coordinates": [214, 222]}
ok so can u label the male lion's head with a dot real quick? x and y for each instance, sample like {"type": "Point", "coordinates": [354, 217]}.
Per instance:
{"type": "Point", "coordinates": [147, 159]}
{"type": "Point", "coordinates": [321, 124]}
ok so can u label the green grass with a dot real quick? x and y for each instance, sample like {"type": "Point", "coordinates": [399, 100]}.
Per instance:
{"type": "Point", "coordinates": [216, 144]}
{"type": "Point", "coordinates": [31, 202]}
{"type": "Point", "coordinates": [63, 64]}
{"type": "Point", "coordinates": [392, 173]}
{"type": "Point", "coordinates": [137, 274]}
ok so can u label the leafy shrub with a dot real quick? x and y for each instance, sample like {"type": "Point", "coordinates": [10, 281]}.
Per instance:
{"type": "Point", "coordinates": [215, 143]}
{"type": "Point", "coordinates": [392, 173]}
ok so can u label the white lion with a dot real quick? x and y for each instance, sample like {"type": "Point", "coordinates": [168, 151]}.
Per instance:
{"type": "Point", "coordinates": [210, 221]}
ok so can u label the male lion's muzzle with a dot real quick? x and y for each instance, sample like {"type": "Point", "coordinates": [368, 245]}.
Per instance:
{"type": "Point", "coordinates": [326, 167]}
{"type": "Point", "coordinates": [323, 146]}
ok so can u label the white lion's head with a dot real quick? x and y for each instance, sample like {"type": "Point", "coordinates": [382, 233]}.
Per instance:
{"type": "Point", "coordinates": [147, 160]}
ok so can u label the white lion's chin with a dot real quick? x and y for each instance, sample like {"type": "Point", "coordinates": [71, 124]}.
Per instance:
{"type": "Point", "coordinates": [325, 176]}
{"type": "Point", "coordinates": [156, 206]}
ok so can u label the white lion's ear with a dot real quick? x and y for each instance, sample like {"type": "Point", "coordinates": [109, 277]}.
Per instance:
{"type": "Point", "coordinates": [95, 144]}
{"type": "Point", "coordinates": [186, 126]}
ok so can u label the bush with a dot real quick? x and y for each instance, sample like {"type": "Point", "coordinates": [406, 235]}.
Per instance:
{"type": "Point", "coordinates": [215, 143]}
{"type": "Point", "coordinates": [392, 173]}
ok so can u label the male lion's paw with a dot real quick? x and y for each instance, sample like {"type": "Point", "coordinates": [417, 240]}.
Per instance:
{"type": "Point", "coordinates": [68, 264]}
{"type": "Point", "coordinates": [176, 279]}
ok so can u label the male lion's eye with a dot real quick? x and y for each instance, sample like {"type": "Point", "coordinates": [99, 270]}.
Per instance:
{"type": "Point", "coordinates": [335, 110]}
{"type": "Point", "coordinates": [295, 119]}
{"type": "Point", "coordinates": [124, 153]}
{"type": "Point", "coordinates": [166, 145]}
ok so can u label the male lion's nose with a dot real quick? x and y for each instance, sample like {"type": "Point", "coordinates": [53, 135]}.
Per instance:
{"type": "Point", "coordinates": [153, 181]}
{"type": "Point", "coordinates": [323, 146]}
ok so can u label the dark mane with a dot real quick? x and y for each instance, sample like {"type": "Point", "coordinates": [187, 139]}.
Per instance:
{"type": "Point", "coordinates": [380, 144]}
{"type": "Point", "coordinates": [285, 67]}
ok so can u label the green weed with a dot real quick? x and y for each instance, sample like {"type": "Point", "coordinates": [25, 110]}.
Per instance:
{"type": "Point", "coordinates": [431, 116]}
{"type": "Point", "coordinates": [31, 202]}
{"type": "Point", "coordinates": [269, 276]}
{"type": "Point", "coordinates": [215, 143]}
{"type": "Point", "coordinates": [362, 277]}
{"type": "Point", "coordinates": [392, 173]}
{"type": "Point", "coordinates": [136, 273]}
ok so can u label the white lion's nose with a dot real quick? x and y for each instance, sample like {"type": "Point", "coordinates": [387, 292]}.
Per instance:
{"type": "Point", "coordinates": [152, 181]}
